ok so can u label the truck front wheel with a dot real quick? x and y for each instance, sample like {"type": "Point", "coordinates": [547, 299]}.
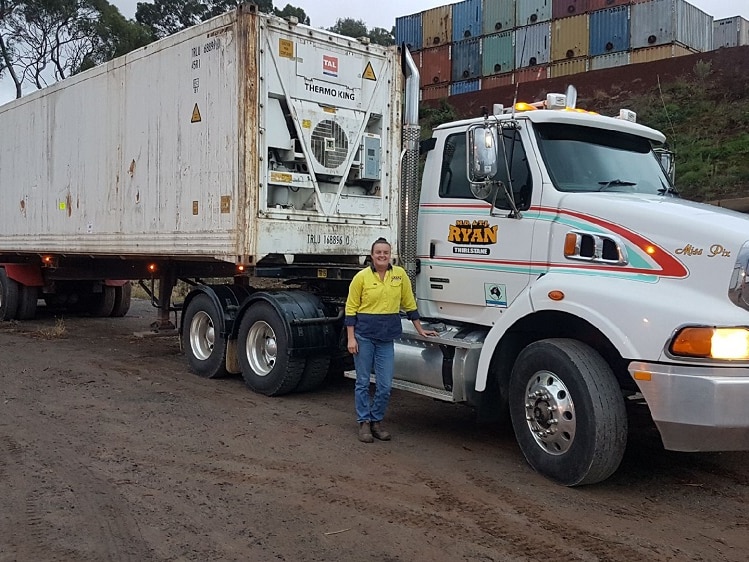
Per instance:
{"type": "Point", "coordinates": [8, 297]}
{"type": "Point", "coordinates": [201, 338]}
{"type": "Point", "coordinates": [264, 357]}
{"type": "Point", "coordinates": [567, 411]}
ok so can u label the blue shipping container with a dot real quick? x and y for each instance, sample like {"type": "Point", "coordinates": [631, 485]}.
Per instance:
{"type": "Point", "coordinates": [609, 31]}
{"type": "Point", "coordinates": [467, 19]}
{"type": "Point", "coordinates": [533, 45]}
{"type": "Point", "coordinates": [466, 56]}
{"type": "Point", "coordinates": [465, 86]}
{"type": "Point", "coordinates": [408, 30]}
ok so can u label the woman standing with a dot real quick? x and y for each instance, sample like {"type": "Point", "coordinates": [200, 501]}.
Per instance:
{"type": "Point", "coordinates": [376, 296]}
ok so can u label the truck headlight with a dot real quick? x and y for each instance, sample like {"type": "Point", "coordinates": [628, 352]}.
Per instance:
{"type": "Point", "coordinates": [711, 343]}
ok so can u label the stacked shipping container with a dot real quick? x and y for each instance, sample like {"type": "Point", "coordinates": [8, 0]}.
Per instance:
{"type": "Point", "coordinates": [480, 44]}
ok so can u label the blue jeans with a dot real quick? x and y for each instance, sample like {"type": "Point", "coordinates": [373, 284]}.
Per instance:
{"type": "Point", "coordinates": [378, 356]}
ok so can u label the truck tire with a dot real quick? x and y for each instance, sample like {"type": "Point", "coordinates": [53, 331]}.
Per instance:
{"type": "Point", "coordinates": [263, 348]}
{"type": "Point", "coordinates": [122, 299]}
{"type": "Point", "coordinates": [102, 304]}
{"type": "Point", "coordinates": [315, 373]}
{"type": "Point", "coordinates": [8, 297]}
{"type": "Point", "coordinates": [27, 298]}
{"type": "Point", "coordinates": [567, 412]}
{"type": "Point", "coordinates": [204, 347]}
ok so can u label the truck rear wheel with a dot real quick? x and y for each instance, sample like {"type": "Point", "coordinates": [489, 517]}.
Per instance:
{"type": "Point", "coordinates": [263, 348]}
{"type": "Point", "coordinates": [315, 373]}
{"type": "Point", "coordinates": [102, 304]}
{"type": "Point", "coordinates": [122, 299]}
{"type": "Point", "coordinates": [201, 338]}
{"type": "Point", "coordinates": [8, 297]}
{"type": "Point", "coordinates": [27, 299]}
{"type": "Point", "coordinates": [568, 412]}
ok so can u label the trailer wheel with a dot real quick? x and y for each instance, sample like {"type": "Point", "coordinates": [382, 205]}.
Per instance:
{"type": "Point", "coordinates": [27, 298]}
{"type": "Point", "coordinates": [203, 345]}
{"type": "Point", "coordinates": [8, 297]}
{"type": "Point", "coordinates": [263, 349]}
{"type": "Point", "coordinates": [315, 373]}
{"type": "Point", "coordinates": [568, 412]}
{"type": "Point", "coordinates": [102, 304]}
{"type": "Point", "coordinates": [122, 299]}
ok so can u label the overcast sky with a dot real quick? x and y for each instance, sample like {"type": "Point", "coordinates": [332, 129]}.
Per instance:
{"type": "Point", "coordinates": [382, 13]}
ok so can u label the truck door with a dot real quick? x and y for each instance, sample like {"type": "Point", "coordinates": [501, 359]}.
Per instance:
{"type": "Point", "coordinates": [477, 254]}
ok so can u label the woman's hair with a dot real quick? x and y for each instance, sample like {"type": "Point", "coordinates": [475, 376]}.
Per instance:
{"type": "Point", "coordinates": [380, 240]}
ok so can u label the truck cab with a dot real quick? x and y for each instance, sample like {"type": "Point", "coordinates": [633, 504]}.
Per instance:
{"type": "Point", "coordinates": [566, 277]}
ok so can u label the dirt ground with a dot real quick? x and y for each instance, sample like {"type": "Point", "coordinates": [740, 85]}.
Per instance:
{"type": "Point", "coordinates": [111, 450]}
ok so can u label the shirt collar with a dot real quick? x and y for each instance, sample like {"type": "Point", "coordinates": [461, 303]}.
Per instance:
{"type": "Point", "coordinates": [372, 267]}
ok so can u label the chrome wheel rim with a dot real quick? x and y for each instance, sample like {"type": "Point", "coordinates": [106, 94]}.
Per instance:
{"type": "Point", "coordinates": [202, 335]}
{"type": "Point", "coordinates": [550, 413]}
{"type": "Point", "coordinates": [261, 348]}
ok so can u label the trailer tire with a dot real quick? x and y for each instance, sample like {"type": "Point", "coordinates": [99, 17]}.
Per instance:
{"type": "Point", "coordinates": [8, 297]}
{"type": "Point", "coordinates": [201, 339]}
{"type": "Point", "coordinates": [27, 297]}
{"type": "Point", "coordinates": [315, 373]}
{"type": "Point", "coordinates": [122, 300]}
{"type": "Point", "coordinates": [102, 304]}
{"type": "Point", "coordinates": [568, 412]}
{"type": "Point", "coordinates": [263, 349]}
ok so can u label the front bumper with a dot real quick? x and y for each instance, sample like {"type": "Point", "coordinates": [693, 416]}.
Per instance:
{"type": "Point", "coordinates": [697, 408]}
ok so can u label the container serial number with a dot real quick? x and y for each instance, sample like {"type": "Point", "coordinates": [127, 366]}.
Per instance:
{"type": "Point", "coordinates": [329, 239]}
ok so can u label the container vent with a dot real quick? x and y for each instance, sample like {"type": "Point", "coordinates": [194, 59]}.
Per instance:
{"type": "Point", "coordinates": [329, 144]}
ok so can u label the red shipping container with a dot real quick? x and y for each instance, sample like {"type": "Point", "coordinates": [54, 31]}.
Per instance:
{"type": "Point", "coordinates": [531, 74]}
{"type": "Point", "coordinates": [436, 66]}
{"type": "Point", "coordinates": [497, 80]}
{"type": "Point", "coordinates": [566, 8]}
{"type": "Point", "coordinates": [435, 92]}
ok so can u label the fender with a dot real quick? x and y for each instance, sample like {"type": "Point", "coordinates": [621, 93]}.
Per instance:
{"type": "Point", "coordinates": [584, 298]}
{"type": "Point", "coordinates": [227, 298]}
{"type": "Point", "coordinates": [24, 273]}
{"type": "Point", "coordinates": [308, 326]}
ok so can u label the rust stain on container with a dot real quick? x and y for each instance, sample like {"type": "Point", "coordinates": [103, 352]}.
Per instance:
{"type": "Point", "coordinates": [69, 204]}
{"type": "Point", "coordinates": [194, 207]}
{"type": "Point", "coordinates": [23, 208]}
{"type": "Point", "coordinates": [131, 169]}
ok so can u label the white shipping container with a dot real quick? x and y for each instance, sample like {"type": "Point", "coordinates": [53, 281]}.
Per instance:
{"type": "Point", "coordinates": [239, 137]}
{"type": "Point", "coordinates": [610, 60]}
{"type": "Point", "coordinates": [730, 32]}
{"type": "Point", "coordinates": [661, 22]}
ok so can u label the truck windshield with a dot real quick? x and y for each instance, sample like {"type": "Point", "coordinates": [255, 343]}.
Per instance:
{"type": "Point", "coordinates": [588, 159]}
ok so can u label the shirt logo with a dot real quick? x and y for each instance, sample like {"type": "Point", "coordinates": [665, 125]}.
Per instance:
{"type": "Point", "coordinates": [330, 66]}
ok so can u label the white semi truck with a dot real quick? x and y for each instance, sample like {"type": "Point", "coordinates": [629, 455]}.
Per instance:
{"type": "Point", "coordinates": [547, 245]}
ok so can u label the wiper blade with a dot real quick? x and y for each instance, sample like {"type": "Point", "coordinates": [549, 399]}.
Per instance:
{"type": "Point", "coordinates": [668, 191]}
{"type": "Point", "coordinates": [615, 183]}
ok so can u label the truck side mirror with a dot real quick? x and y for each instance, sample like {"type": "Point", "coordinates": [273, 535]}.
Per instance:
{"type": "Point", "coordinates": [482, 153]}
{"type": "Point", "coordinates": [667, 159]}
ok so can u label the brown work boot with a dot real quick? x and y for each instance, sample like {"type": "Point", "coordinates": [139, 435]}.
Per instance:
{"type": "Point", "coordinates": [365, 434]}
{"type": "Point", "coordinates": [380, 433]}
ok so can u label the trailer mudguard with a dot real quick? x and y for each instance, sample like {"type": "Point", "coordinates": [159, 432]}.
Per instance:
{"type": "Point", "coordinates": [308, 321]}
{"type": "Point", "coordinates": [227, 298]}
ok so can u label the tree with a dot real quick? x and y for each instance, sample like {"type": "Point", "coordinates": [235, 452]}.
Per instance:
{"type": "Point", "coordinates": [292, 11]}
{"type": "Point", "coordinates": [167, 17]}
{"type": "Point", "coordinates": [42, 41]}
{"type": "Point", "coordinates": [357, 28]}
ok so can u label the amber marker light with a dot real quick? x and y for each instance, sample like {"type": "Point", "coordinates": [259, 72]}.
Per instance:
{"type": "Point", "coordinates": [522, 106]}
{"type": "Point", "coordinates": [642, 376]}
{"type": "Point", "coordinates": [570, 244]}
{"type": "Point", "coordinates": [151, 267]}
{"type": "Point", "coordinates": [556, 295]}
{"type": "Point", "coordinates": [240, 268]}
{"type": "Point", "coordinates": [49, 261]}
{"type": "Point", "coordinates": [650, 250]}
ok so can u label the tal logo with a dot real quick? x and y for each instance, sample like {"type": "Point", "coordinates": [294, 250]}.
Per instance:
{"type": "Point", "coordinates": [330, 65]}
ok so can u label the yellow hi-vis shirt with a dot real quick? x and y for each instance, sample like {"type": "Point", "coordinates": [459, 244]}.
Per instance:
{"type": "Point", "coordinates": [373, 306]}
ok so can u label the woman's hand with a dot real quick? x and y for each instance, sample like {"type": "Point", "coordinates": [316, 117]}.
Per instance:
{"type": "Point", "coordinates": [428, 333]}
{"type": "Point", "coordinates": [353, 346]}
